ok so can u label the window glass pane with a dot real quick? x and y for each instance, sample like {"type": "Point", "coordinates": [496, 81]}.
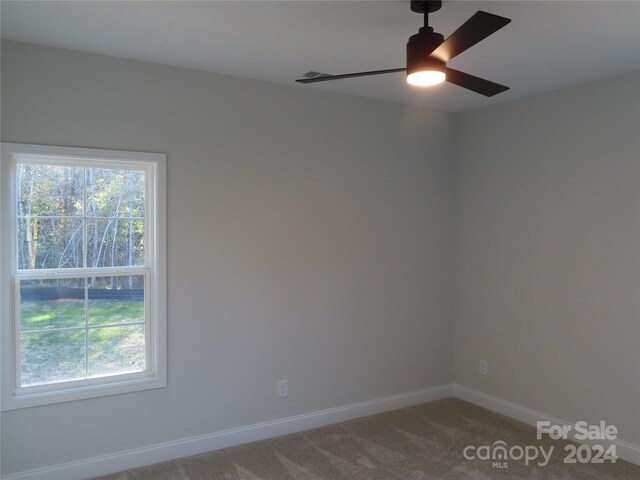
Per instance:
{"type": "Point", "coordinates": [116, 300]}
{"type": "Point", "coordinates": [115, 242]}
{"type": "Point", "coordinates": [49, 243]}
{"type": "Point", "coordinates": [116, 350]}
{"type": "Point", "coordinates": [49, 190]}
{"type": "Point", "coordinates": [48, 304]}
{"type": "Point", "coordinates": [52, 356]}
{"type": "Point", "coordinates": [115, 193]}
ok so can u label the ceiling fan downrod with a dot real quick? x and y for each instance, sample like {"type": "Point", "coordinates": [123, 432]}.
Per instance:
{"type": "Point", "coordinates": [426, 7]}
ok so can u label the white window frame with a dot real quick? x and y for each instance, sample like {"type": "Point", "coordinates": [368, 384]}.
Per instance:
{"type": "Point", "coordinates": [14, 396]}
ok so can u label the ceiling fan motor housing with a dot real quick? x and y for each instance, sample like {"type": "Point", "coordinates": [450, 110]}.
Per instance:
{"type": "Point", "coordinates": [419, 49]}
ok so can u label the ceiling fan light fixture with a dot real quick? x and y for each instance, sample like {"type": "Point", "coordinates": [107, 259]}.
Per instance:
{"type": "Point", "coordinates": [426, 78]}
{"type": "Point", "coordinates": [425, 71]}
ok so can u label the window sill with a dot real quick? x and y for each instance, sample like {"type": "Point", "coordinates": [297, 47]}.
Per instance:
{"type": "Point", "coordinates": [36, 399]}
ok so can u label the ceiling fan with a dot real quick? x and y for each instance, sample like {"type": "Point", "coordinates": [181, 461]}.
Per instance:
{"type": "Point", "coordinates": [428, 53]}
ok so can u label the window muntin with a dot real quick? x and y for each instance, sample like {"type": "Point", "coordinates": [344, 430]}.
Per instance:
{"type": "Point", "coordinates": [85, 266]}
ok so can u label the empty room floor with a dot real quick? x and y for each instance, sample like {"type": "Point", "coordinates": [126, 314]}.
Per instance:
{"type": "Point", "coordinates": [416, 443]}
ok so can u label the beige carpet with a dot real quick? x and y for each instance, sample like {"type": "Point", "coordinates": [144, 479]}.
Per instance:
{"type": "Point", "coordinates": [416, 443]}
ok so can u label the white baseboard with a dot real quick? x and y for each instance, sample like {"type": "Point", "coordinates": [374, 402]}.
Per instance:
{"type": "Point", "coordinates": [115, 462]}
{"type": "Point", "coordinates": [625, 450]}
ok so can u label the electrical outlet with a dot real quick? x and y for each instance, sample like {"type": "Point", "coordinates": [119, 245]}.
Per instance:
{"type": "Point", "coordinates": [283, 388]}
{"type": "Point", "coordinates": [483, 367]}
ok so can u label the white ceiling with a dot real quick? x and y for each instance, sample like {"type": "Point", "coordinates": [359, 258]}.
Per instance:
{"type": "Point", "coordinates": [548, 45]}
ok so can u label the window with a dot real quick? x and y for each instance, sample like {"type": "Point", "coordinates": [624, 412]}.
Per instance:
{"type": "Point", "coordinates": [83, 284]}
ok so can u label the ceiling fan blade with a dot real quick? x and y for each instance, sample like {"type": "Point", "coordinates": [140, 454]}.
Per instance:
{"type": "Point", "coordinates": [477, 28]}
{"type": "Point", "coordinates": [475, 84]}
{"type": "Point", "coordinates": [325, 78]}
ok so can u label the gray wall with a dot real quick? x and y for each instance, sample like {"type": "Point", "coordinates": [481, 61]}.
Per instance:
{"type": "Point", "coordinates": [309, 239]}
{"type": "Point", "coordinates": [548, 252]}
